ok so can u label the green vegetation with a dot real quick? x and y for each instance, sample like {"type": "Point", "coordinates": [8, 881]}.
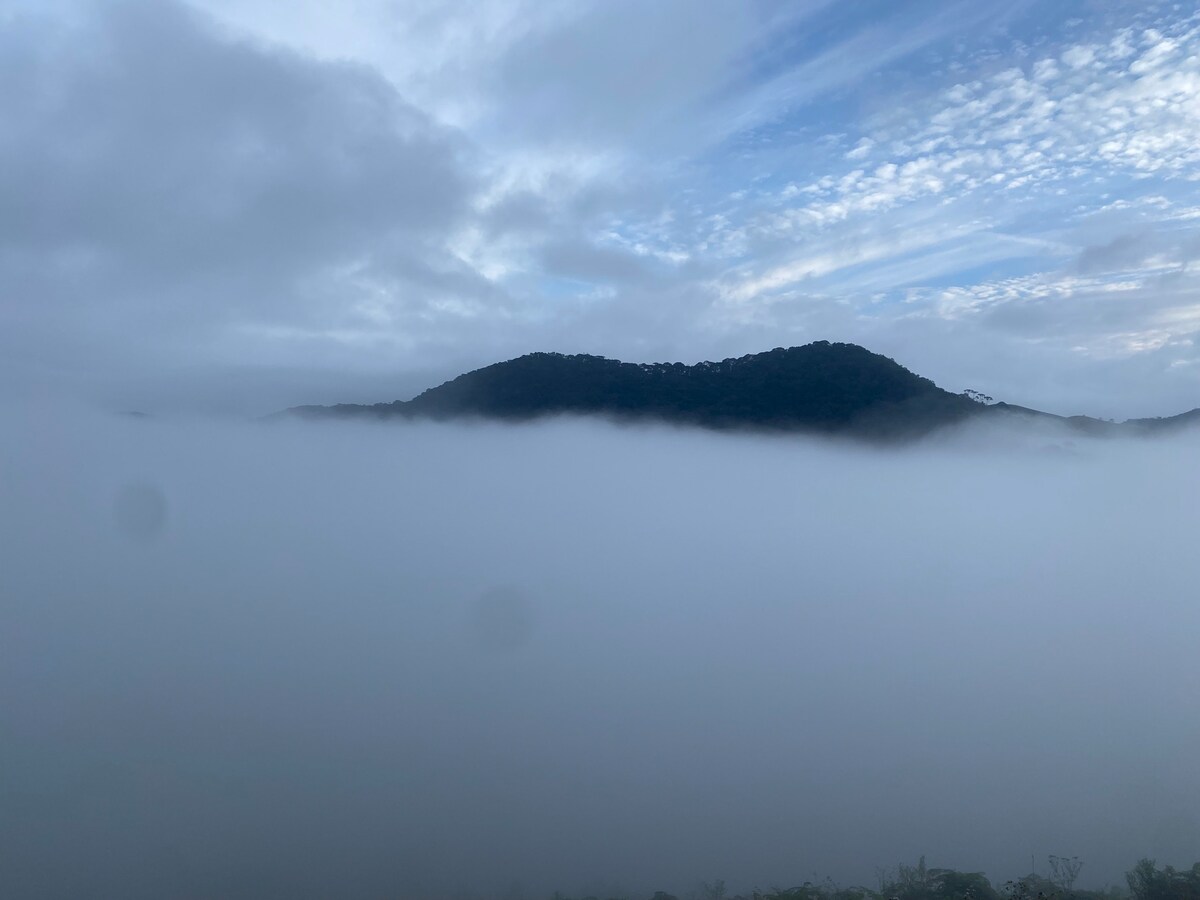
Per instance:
{"type": "Point", "coordinates": [823, 387]}
{"type": "Point", "coordinates": [1146, 881]}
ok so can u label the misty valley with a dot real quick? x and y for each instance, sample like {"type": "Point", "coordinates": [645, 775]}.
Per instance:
{"type": "Point", "coordinates": [442, 659]}
{"type": "Point", "coordinates": [599, 450]}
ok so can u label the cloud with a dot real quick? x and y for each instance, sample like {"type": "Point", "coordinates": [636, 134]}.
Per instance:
{"type": "Point", "coordinates": [425, 660]}
{"type": "Point", "coordinates": [1125, 251]}
{"type": "Point", "coordinates": [198, 193]}
{"type": "Point", "coordinates": [584, 260]}
{"type": "Point", "coordinates": [593, 79]}
{"type": "Point", "coordinates": [164, 183]}
{"type": "Point", "coordinates": [862, 149]}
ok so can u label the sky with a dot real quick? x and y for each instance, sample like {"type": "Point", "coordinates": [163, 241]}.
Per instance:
{"type": "Point", "coordinates": [232, 206]}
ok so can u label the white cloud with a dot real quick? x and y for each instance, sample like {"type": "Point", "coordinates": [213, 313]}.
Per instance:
{"type": "Point", "coordinates": [862, 149]}
{"type": "Point", "coordinates": [1079, 56]}
{"type": "Point", "coordinates": [397, 183]}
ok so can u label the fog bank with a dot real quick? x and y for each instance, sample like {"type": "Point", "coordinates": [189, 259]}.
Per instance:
{"type": "Point", "coordinates": [415, 660]}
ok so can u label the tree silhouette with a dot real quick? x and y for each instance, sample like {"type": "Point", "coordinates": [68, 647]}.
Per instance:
{"type": "Point", "coordinates": [1064, 870]}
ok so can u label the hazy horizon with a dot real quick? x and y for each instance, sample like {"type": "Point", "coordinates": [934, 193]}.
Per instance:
{"type": "Point", "coordinates": [167, 405]}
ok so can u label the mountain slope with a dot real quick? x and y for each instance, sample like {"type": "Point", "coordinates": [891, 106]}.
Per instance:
{"type": "Point", "coordinates": [820, 387]}
{"type": "Point", "coordinates": [1167, 423]}
{"type": "Point", "coordinates": [833, 388]}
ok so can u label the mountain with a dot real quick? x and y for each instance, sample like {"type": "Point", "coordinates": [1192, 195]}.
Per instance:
{"type": "Point", "coordinates": [821, 387]}
{"type": "Point", "coordinates": [832, 388]}
{"type": "Point", "coordinates": [1167, 423]}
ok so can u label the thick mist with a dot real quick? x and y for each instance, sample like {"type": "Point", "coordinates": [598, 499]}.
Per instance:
{"type": "Point", "coordinates": [415, 660]}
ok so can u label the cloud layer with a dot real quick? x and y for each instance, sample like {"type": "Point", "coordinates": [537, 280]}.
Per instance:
{"type": "Point", "coordinates": [420, 660]}
{"type": "Point", "coordinates": [349, 204]}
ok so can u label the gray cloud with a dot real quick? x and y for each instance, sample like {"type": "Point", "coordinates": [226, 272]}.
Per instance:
{"type": "Point", "coordinates": [584, 260]}
{"type": "Point", "coordinates": [1125, 251]}
{"type": "Point", "coordinates": [163, 183]}
{"type": "Point", "coordinates": [519, 211]}
{"type": "Point", "coordinates": [188, 206]}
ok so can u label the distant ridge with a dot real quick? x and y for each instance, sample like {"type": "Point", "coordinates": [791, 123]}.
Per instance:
{"type": "Point", "coordinates": [821, 387]}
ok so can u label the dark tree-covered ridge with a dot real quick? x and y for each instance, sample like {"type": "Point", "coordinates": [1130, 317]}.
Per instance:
{"type": "Point", "coordinates": [821, 387]}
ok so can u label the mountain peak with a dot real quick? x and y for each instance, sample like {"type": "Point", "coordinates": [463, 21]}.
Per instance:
{"type": "Point", "coordinates": [822, 386]}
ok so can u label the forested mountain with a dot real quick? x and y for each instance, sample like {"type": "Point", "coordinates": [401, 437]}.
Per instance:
{"type": "Point", "coordinates": [820, 387]}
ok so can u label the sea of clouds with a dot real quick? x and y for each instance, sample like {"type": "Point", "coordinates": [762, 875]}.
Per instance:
{"type": "Point", "coordinates": [420, 660]}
